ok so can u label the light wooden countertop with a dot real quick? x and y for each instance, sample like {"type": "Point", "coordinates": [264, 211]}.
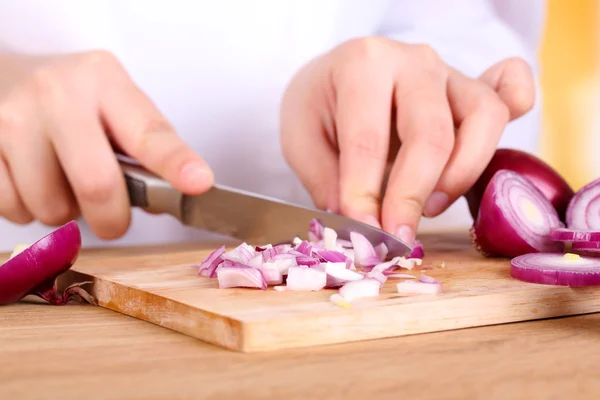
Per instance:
{"type": "Point", "coordinates": [85, 352]}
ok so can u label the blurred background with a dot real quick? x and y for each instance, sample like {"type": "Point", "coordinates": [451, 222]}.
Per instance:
{"type": "Point", "coordinates": [571, 90]}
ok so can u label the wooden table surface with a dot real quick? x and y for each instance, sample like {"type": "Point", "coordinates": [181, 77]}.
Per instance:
{"type": "Point", "coordinates": [84, 352]}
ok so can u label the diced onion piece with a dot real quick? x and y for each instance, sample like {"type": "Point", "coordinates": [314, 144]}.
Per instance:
{"type": "Point", "coordinates": [208, 267]}
{"type": "Point", "coordinates": [306, 279]}
{"type": "Point", "coordinates": [230, 277]}
{"type": "Point", "coordinates": [417, 251]}
{"type": "Point", "coordinates": [417, 287]}
{"type": "Point", "coordinates": [381, 251]}
{"type": "Point", "coordinates": [377, 275]}
{"type": "Point", "coordinates": [515, 218]}
{"type": "Point", "coordinates": [242, 254]}
{"type": "Point", "coordinates": [358, 289]}
{"type": "Point", "coordinates": [339, 301]}
{"type": "Point", "coordinates": [364, 252]}
{"type": "Point", "coordinates": [556, 269]}
{"type": "Point", "coordinates": [330, 239]}
{"type": "Point", "coordinates": [583, 212]}
{"type": "Point", "coordinates": [272, 272]}
{"type": "Point", "coordinates": [315, 232]}
{"type": "Point", "coordinates": [338, 274]}
{"type": "Point", "coordinates": [427, 279]}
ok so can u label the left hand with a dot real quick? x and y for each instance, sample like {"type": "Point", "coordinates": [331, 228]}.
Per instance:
{"type": "Point", "coordinates": [370, 102]}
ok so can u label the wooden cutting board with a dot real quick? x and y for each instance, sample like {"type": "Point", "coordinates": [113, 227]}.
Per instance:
{"type": "Point", "coordinates": [159, 286]}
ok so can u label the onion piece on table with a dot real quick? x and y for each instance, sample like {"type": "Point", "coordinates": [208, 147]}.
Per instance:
{"type": "Point", "coordinates": [364, 252]}
{"type": "Point", "coordinates": [34, 269]}
{"type": "Point", "coordinates": [515, 218]}
{"type": "Point", "coordinates": [358, 289]}
{"type": "Point", "coordinates": [583, 212]}
{"type": "Point", "coordinates": [552, 186]}
{"type": "Point", "coordinates": [556, 269]}
{"type": "Point", "coordinates": [306, 279]}
{"type": "Point", "coordinates": [338, 274]}
{"type": "Point", "coordinates": [418, 287]}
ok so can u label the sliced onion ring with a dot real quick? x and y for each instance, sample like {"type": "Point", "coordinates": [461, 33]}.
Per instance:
{"type": "Point", "coordinates": [575, 235]}
{"type": "Point", "coordinates": [556, 269]}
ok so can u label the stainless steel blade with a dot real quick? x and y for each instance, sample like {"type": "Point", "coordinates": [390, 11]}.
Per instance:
{"type": "Point", "coordinates": [260, 219]}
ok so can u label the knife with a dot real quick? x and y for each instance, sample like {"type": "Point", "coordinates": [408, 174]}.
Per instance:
{"type": "Point", "coordinates": [250, 217]}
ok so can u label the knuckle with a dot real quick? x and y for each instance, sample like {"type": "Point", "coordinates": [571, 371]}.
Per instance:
{"type": "Point", "coordinates": [367, 145]}
{"type": "Point", "coordinates": [408, 204]}
{"type": "Point", "coordinates": [439, 136]}
{"type": "Point", "coordinates": [100, 58]}
{"type": "Point", "coordinates": [48, 86]}
{"type": "Point", "coordinates": [97, 187]}
{"type": "Point", "coordinates": [493, 106]}
{"type": "Point", "coordinates": [12, 122]}
{"type": "Point", "coordinates": [428, 55]}
{"type": "Point", "coordinates": [59, 213]}
{"type": "Point", "coordinates": [366, 49]}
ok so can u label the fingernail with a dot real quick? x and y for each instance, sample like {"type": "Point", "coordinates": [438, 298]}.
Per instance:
{"type": "Point", "coordinates": [196, 175]}
{"type": "Point", "coordinates": [371, 220]}
{"type": "Point", "coordinates": [405, 233]}
{"type": "Point", "coordinates": [436, 203]}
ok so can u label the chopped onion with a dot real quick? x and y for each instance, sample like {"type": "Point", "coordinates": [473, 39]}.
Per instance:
{"type": "Point", "coordinates": [377, 275]}
{"type": "Point", "coordinates": [306, 279]}
{"type": "Point", "coordinates": [418, 251]}
{"type": "Point", "coordinates": [330, 239]}
{"type": "Point", "coordinates": [338, 274]}
{"type": "Point", "coordinates": [240, 276]}
{"type": "Point", "coordinates": [552, 186]}
{"type": "Point", "coordinates": [583, 212]}
{"type": "Point", "coordinates": [364, 252]}
{"type": "Point", "coordinates": [417, 287]}
{"type": "Point", "coordinates": [427, 279]}
{"type": "Point", "coordinates": [358, 289]}
{"type": "Point", "coordinates": [34, 269]}
{"type": "Point", "coordinates": [556, 269]}
{"type": "Point", "coordinates": [515, 218]}
{"type": "Point", "coordinates": [381, 251]}
{"type": "Point", "coordinates": [273, 271]}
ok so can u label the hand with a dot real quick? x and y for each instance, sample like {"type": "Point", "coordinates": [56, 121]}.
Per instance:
{"type": "Point", "coordinates": [60, 118]}
{"type": "Point", "coordinates": [372, 104]}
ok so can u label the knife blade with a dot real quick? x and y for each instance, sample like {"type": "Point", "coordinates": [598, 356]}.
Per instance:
{"type": "Point", "coordinates": [250, 217]}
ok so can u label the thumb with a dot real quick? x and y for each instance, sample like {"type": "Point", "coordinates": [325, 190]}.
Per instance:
{"type": "Point", "coordinates": [513, 80]}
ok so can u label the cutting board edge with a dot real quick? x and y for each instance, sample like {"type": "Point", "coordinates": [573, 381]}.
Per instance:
{"type": "Point", "coordinates": [544, 302]}
{"type": "Point", "coordinates": [222, 330]}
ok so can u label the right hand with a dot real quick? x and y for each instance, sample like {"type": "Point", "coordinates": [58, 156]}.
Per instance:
{"type": "Point", "coordinates": [60, 118]}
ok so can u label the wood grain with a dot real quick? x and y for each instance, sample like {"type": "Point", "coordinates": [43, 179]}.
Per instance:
{"type": "Point", "coordinates": [162, 288]}
{"type": "Point", "coordinates": [83, 352]}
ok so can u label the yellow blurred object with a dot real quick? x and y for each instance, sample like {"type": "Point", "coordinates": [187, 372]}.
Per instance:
{"type": "Point", "coordinates": [569, 65]}
{"type": "Point", "coordinates": [571, 256]}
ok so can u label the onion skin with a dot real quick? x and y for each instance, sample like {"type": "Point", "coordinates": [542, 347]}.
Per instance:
{"type": "Point", "coordinates": [493, 234]}
{"type": "Point", "coordinates": [34, 270]}
{"type": "Point", "coordinates": [553, 186]}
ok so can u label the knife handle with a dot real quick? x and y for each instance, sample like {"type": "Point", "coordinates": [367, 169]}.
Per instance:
{"type": "Point", "coordinates": [149, 191]}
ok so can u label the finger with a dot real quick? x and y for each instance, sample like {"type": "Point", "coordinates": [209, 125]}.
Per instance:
{"type": "Point", "coordinates": [425, 127]}
{"type": "Point", "coordinates": [363, 133]}
{"type": "Point", "coordinates": [513, 80]}
{"type": "Point", "coordinates": [306, 146]}
{"type": "Point", "coordinates": [40, 180]}
{"type": "Point", "coordinates": [481, 118]}
{"type": "Point", "coordinates": [11, 205]}
{"type": "Point", "coordinates": [92, 170]}
{"type": "Point", "coordinates": [138, 127]}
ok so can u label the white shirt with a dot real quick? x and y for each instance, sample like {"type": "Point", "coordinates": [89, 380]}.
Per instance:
{"type": "Point", "coordinates": [218, 69]}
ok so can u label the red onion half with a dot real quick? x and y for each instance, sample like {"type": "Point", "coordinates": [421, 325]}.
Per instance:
{"type": "Point", "coordinates": [556, 269]}
{"type": "Point", "coordinates": [34, 270]}
{"type": "Point", "coordinates": [515, 218]}
{"type": "Point", "coordinates": [553, 186]}
{"type": "Point", "coordinates": [583, 212]}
